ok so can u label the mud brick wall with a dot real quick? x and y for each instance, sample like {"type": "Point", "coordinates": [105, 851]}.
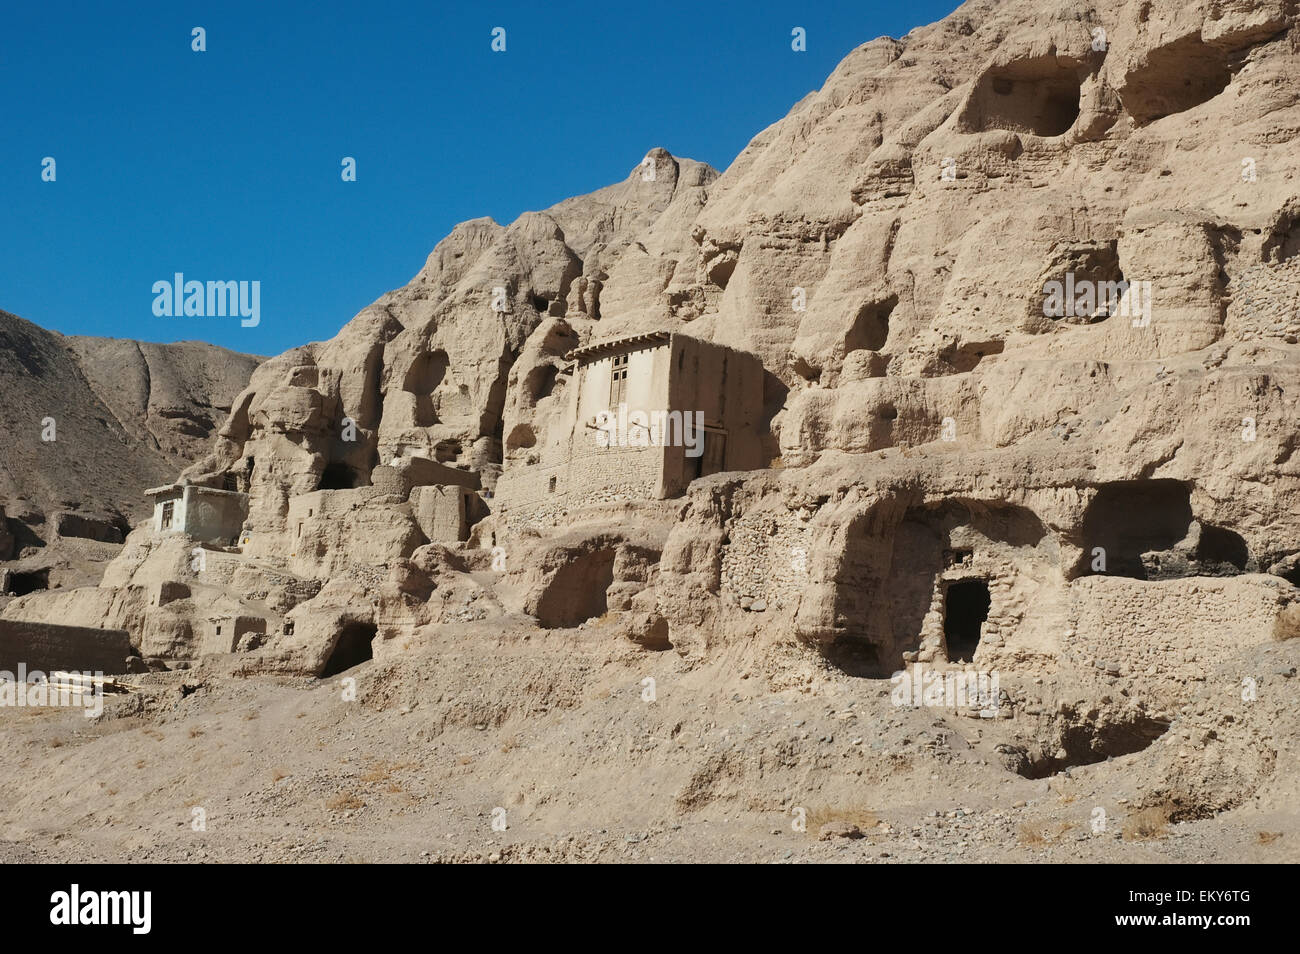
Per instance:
{"type": "Point", "coordinates": [48, 646]}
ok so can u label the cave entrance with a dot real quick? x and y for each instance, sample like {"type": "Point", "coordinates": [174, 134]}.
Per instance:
{"type": "Point", "coordinates": [20, 584]}
{"type": "Point", "coordinates": [1127, 519]}
{"type": "Point", "coordinates": [966, 607]}
{"type": "Point", "coordinates": [576, 593]}
{"type": "Point", "coordinates": [337, 476]}
{"type": "Point", "coordinates": [354, 646]}
{"type": "Point", "coordinates": [1037, 96]}
{"type": "Point", "coordinates": [870, 328]}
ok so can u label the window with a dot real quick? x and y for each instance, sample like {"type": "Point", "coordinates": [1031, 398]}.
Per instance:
{"type": "Point", "coordinates": [551, 486]}
{"type": "Point", "coordinates": [618, 381]}
{"type": "Point", "coordinates": [288, 627]}
{"type": "Point", "coordinates": [169, 508]}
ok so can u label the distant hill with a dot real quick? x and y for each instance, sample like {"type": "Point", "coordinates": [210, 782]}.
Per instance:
{"type": "Point", "coordinates": [127, 415]}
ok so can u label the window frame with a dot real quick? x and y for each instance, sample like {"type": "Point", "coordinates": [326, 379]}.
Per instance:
{"type": "Point", "coordinates": [618, 379]}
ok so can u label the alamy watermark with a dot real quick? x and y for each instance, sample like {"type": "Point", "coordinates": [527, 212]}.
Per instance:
{"type": "Point", "coordinates": [1085, 298]}
{"type": "Point", "coordinates": [33, 690]}
{"type": "Point", "coordinates": [953, 689]}
{"type": "Point", "coordinates": [179, 298]}
{"type": "Point", "coordinates": [624, 428]}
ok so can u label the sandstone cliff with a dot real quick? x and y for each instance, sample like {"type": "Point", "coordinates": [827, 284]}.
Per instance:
{"type": "Point", "coordinates": [1099, 500]}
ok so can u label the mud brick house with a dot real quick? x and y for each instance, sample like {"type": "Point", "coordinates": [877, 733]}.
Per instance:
{"type": "Point", "coordinates": [646, 415]}
{"type": "Point", "coordinates": [205, 513]}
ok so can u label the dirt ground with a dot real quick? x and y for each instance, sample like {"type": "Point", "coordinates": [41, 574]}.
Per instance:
{"type": "Point", "coordinates": [763, 756]}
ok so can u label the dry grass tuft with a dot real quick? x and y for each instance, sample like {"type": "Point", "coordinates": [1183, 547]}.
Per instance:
{"type": "Point", "coordinates": [1149, 823]}
{"type": "Point", "coordinates": [1039, 834]}
{"type": "Point", "coordinates": [820, 815]}
{"type": "Point", "coordinates": [344, 801]}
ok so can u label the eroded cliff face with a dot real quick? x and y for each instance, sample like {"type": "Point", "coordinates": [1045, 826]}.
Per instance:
{"type": "Point", "coordinates": [1024, 289]}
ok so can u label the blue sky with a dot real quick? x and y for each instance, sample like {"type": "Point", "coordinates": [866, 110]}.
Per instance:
{"type": "Point", "coordinates": [225, 164]}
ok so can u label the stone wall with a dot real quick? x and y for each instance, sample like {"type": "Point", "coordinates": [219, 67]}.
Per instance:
{"type": "Point", "coordinates": [765, 565]}
{"type": "Point", "coordinates": [1266, 303]}
{"type": "Point", "coordinates": [1125, 627]}
{"type": "Point", "coordinates": [592, 475]}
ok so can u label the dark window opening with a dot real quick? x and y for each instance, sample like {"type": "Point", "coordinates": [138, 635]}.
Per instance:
{"type": "Point", "coordinates": [354, 646]}
{"type": "Point", "coordinates": [337, 476]}
{"type": "Point", "coordinates": [551, 486]}
{"type": "Point", "coordinates": [958, 556]}
{"type": "Point", "coordinates": [20, 584]}
{"type": "Point", "coordinates": [541, 304]}
{"type": "Point", "coordinates": [288, 627]}
{"type": "Point", "coordinates": [966, 607]}
{"type": "Point", "coordinates": [168, 511]}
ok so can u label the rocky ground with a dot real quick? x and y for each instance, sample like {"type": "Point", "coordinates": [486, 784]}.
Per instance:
{"type": "Point", "coordinates": [555, 729]}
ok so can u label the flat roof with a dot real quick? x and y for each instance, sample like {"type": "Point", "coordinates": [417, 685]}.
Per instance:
{"type": "Point", "coordinates": [617, 344]}
{"type": "Point", "coordinates": [171, 488]}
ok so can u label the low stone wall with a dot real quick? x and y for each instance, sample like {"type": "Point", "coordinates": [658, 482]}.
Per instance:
{"type": "Point", "coordinates": [1157, 630]}
{"type": "Point", "coordinates": [49, 646]}
{"type": "Point", "coordinates": [765, 565]}
{"type": "Point", "coordinates": [1266, 303]}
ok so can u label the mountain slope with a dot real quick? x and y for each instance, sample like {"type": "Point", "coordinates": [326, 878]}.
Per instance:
{"type": "Point", "coordinates": [123, 416]}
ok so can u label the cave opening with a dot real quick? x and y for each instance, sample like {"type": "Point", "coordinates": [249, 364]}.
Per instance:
{"type": "Point", "coordinates": [354, 646]}
{"type": "Point", "coordinates": [1037, 96]}
{"type": "Point", "coordinates": [1174, 78]}
{"type": "Point", "coordinates": [870, 329]}
{"type": "Point", "coordinates": [20, 584]}
{"type": "Point", "coordinates": [337, 476]}
{"type": "Point", "coordinates": [577, 591]}
{"type": "Point", "coordinates": [966, 607]}
{"type": "Point", "coordinates": [1127, 519]}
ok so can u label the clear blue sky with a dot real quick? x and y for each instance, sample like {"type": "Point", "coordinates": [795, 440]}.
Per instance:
{"type": "Point", "coordinates": [226, 164]}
